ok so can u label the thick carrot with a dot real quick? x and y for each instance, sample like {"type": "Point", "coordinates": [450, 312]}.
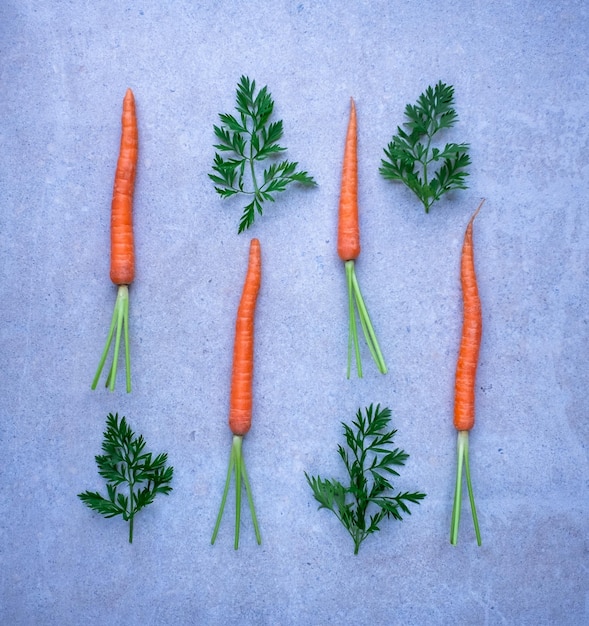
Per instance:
{"type": "Point", "coordinates": [464, 390]}
{"type": "Point", "coordinates": [348, 232]}
{"type": "Point", "coordinates": [348, 249]}
{"type": "Point", "coordinates": [240, 407]}
{"type": "Point", "coordinates": [122, 254]}
{"type": "Point", "coordinates": [240, 403]}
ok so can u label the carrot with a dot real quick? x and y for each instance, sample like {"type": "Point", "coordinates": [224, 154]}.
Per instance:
{"type": "Point", "coordinates": [348, 230]}
{"type": "Point", "coordinates": [348, 248]}
{"type": "Point", "coordinates": [464, 389]}
{"type": "Point", "coordinates": [240, 400]}
{"type": "Point", "coordinates": [240, 406]}
{"type": "Point", "coordinates": [122, 255]}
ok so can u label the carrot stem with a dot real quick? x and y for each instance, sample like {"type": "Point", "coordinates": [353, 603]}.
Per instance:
{"type": "Point", "coordinates": [119, 323]}
{"type": "Point", "coordinates": [225, 493]}
{"type": "Point", "coordinates": [356, 301]}
{"type": "Point", "coordinates": [353, 332]}
{"type": "Point", "coordinates": [237, 464]}
{"type": "Point", "coordinates": [462, 460]}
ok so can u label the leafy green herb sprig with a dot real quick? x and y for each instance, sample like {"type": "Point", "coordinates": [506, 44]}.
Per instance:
{"type": "Point", "coordinates": [246, 139]}
{"type": "Point", "coordinates": [411, 155]}
{"type": "Point", "coordinates": [124, 462]}
{"type": "Point", "coordinates": [363, 505]}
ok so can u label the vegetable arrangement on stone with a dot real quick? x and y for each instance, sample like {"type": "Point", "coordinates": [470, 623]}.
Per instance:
{"type": "Point", "coordinates": [122, 252]}
{"type": "Point", "coordinates": [245, 140]}
{"type": "Point", "coordinates": [348, 249]}
{"type": "Point", "coordinates": [371, 461]}
{"type": "Point", "coordinates": [125, 462]}
{"type": "Point", "coordinates": [241, 396]}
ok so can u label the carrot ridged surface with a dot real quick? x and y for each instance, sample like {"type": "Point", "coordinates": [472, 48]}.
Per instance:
{"type": "Point", "coordinates": [122, 255]}
{"type": "Point", "coordinates": [348, 234]}
{"type": "Point", "coordinates": [240, 408]}
{"type": "Point", "coordinates": [468, 355]}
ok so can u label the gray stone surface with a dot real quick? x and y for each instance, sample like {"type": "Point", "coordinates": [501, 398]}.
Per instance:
{"type": "Point", "coordinates": [520, 71]}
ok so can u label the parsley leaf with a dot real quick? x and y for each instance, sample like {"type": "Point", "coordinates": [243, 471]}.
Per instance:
{"type": "Point", "coordinates": [370, 463]}
{"type": "Point", "coordinates": [124, 462]}
{"type": "Point", "coordinates": [411, 154]}
{"type": "Point", "coordinates": [246, 139]}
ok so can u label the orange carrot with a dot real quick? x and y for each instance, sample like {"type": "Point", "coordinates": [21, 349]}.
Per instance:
{"type": "Point", "coordinates": [122, 255]}
{"type": "Point", "coordinates": [348, 249]}
{"type": "Point", "coordinates": [348, 234]}
{"type": "Point", "coordinates": [240, 403]}
{"type": "Point", "coordinates": [240, 407]}
{"type": "Point", "coordinates": [468, 356]}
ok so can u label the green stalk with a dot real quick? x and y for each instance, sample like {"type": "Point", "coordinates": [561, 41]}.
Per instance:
{"type": "Point", "coordinates": [119, 323]}
{"type": "Point", "coordinates": [225, 493]}
{"type": "Point", "coordinates": [131, 480]}
{"type": "Point", "coordinates": [427, 202]}
{"type": "Point", "coordinates": [237, 463]}
{"type": "Point", "coordinates": [462, 460]}
{"type": "Point", "coordinates": [353, 331]}
{"type": "Point", "coordinates": [369, 333]}
{"type": "Point", "coordinates": [131, 528]}
{"type": "Point", "coordinates": [356, 301]}
{"type": "Point", "coordinates": [237, 449]}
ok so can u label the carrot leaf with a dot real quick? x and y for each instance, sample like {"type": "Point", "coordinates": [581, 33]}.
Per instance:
{"type": "Point", "coordinates": [250, 137]}
{"type": "Point", "coordinates": [123, 462]}
{"type": "Point", "coordinates": [365, 503]}
{"type": "Point", "coordinates": [411, 155]}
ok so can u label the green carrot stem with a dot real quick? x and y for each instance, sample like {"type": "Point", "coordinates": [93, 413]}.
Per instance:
{"type": "Point", "coordinates": [119, 323]}
{"type": "Point", "coordinates": [250, 500]}
{"type": "Point", "coordinates": [225, 493]}
{"type": "Point", "coordinates": [353, 331]}
{"type": "Point", "coordinates": [356, 301]}
{"type": "Point", "coordinates": [237, 464]}
{"type": "Point", "coordinates": [462, 460]}
{"type": "Point", "coordinates": [369, 333]}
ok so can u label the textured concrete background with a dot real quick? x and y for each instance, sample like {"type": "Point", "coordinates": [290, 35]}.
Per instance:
{"type": "Point", "coordinates": [520, 71]}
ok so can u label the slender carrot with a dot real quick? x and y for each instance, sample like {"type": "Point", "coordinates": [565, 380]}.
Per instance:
{"type": "Point", "coordinates": [468, 356]}
{"type": "Point", "coordinates": [348, 248]}
{"type": "Point", "coordinates": [240, 401]}
{"type": "Point", "coordinates": [240, 406]}
{"type": "Point", "coordinates": [122, 254]}
{"type": "Point", "coordinates": [348, 230]}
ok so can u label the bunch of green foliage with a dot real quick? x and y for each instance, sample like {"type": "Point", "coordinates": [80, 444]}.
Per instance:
{"type": "Point", "coordinates": [246, 139]}
{"type": "Point", "coordinates": [411, 155]}
{"type": "Point", "coordinates": [364, 503]}
{"type": "Point", "coordinates": [124, 462]}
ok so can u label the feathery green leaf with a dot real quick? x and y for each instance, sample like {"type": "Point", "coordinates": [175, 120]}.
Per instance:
{"type": "Point", "coordinates": [411, 155]}
{"type": "Point", "coordinates": [250, 137]}
{"type": "Point", "coordinates": [124, 462]}
{"type": "Point", "coordinates": [361, 506]}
